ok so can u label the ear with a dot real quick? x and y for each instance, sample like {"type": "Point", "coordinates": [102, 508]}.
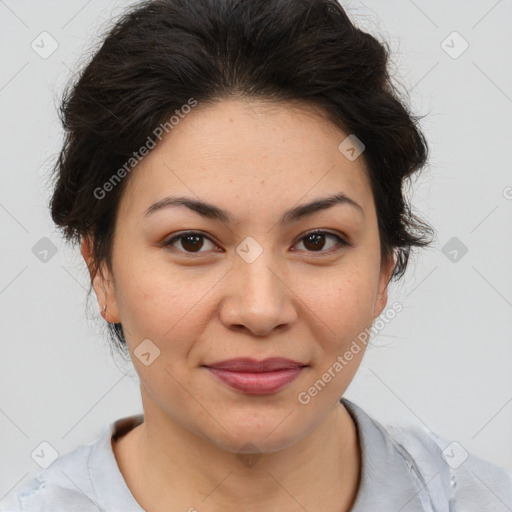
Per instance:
{"type": "Point", "coordinates": [102, 282]}
{"type": "Point", "coordinates": [381, 299]}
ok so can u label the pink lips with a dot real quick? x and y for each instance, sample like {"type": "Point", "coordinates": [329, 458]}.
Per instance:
{"type": "Point", "coordinates": [256, 377]}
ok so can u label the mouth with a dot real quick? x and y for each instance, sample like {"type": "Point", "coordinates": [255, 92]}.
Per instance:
{"type": "Point", "coordinates": [256, 377]}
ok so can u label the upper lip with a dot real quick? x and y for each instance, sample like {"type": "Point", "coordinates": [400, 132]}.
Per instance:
{"type": "Point", "coordinates": [246, 364]}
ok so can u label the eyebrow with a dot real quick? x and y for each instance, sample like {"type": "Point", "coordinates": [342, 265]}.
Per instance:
{"type": "Point", "coordinates": [211, 211]}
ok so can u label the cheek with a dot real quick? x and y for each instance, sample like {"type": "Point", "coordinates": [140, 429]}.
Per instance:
{"type": "Point", "coordinates": [341, 301]}
{"type": "Point", "coordinates": [164, 304]}
{"type": "Point", "coordinates": [173, 305]}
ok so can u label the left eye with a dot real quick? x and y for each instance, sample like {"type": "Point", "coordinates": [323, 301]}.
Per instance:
{"type": "Point", "coordinates": [316, 240]}
{"type": "Point", "coordinates": [193, 241]}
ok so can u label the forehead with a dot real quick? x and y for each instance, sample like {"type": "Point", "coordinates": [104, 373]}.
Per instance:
{"type": "Point", "coordinates": [249, 153]}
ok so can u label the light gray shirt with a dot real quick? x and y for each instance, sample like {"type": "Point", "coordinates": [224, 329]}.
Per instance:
{"type": "Point", "coordinates": [403, 469]}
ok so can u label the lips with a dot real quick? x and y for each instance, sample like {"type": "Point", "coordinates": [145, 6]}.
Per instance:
{"type": "Point", "coordinates": [256, 377]}
{"type": "Point", "coordinates": [245, 364]}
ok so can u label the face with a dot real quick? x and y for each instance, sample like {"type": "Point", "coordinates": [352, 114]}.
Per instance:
{"type": "Point", "coordinates": [252, 282]}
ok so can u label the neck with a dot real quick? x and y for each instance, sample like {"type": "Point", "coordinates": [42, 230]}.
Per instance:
{"type": "Point", "coordinates": [168, 467]}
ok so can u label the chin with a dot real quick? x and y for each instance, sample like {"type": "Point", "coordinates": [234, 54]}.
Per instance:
{"type": "Point", "coordinates": [256, 444]}
{"type": "Point", "coordinates": [269, 435]}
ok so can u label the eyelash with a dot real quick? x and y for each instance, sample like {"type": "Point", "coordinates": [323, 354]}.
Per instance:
{"type": "Point", "coordinates": [342, 243]}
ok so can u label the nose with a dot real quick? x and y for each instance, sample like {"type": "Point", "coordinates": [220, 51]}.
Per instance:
{"type": "Point", "coordinates": [258, 297]}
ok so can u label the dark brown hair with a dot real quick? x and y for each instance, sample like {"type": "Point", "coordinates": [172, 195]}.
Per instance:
{"type": "Point", "coordinates": [161, 53]}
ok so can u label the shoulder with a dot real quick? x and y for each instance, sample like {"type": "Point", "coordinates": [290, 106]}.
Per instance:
{"type": "Point", "coordinates": [85, 480]}
{"type": "Point", "coordinates": [450, 473]}
{"type": "Point", "coordinates": [445, 477]}
{"type": "Point", "coordinates": [65, 485]}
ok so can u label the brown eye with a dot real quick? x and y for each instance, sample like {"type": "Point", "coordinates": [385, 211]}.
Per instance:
{"type": "Point", "coordinates": [316, 241]}
{"type": "Point", "coordinates": [190, 242]}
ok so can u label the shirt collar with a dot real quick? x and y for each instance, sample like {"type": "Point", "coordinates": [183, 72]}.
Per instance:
{"type": "Point", "coordinates": [387, 483]}
{"type": "Point", "coordinates": [110, 487]}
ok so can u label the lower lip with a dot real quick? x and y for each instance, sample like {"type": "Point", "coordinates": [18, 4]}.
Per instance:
{"type": "Point", "coordinates": [257, 383]}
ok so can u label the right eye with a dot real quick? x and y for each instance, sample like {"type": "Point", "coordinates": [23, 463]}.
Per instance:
{"type": "Point", "coordinates": [191, 242]}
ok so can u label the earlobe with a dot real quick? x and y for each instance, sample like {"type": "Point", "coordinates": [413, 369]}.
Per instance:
{"type": "Point", "coordinates": [382, 293]}
{"type": "Point", "coordinates": [101, 283]}
{"type": "Point", "coordinates": [380, 303]}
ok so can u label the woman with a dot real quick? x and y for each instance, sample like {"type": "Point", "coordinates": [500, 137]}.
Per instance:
{"type": "Point", "coordinates": [233, 172]}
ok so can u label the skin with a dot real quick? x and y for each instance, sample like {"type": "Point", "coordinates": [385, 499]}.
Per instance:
{"type": "Point", "coordinates": [254, 159]}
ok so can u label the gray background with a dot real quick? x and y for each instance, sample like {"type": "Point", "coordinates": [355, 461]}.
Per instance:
{"type": "Point", "coordinates": [443, 362]}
